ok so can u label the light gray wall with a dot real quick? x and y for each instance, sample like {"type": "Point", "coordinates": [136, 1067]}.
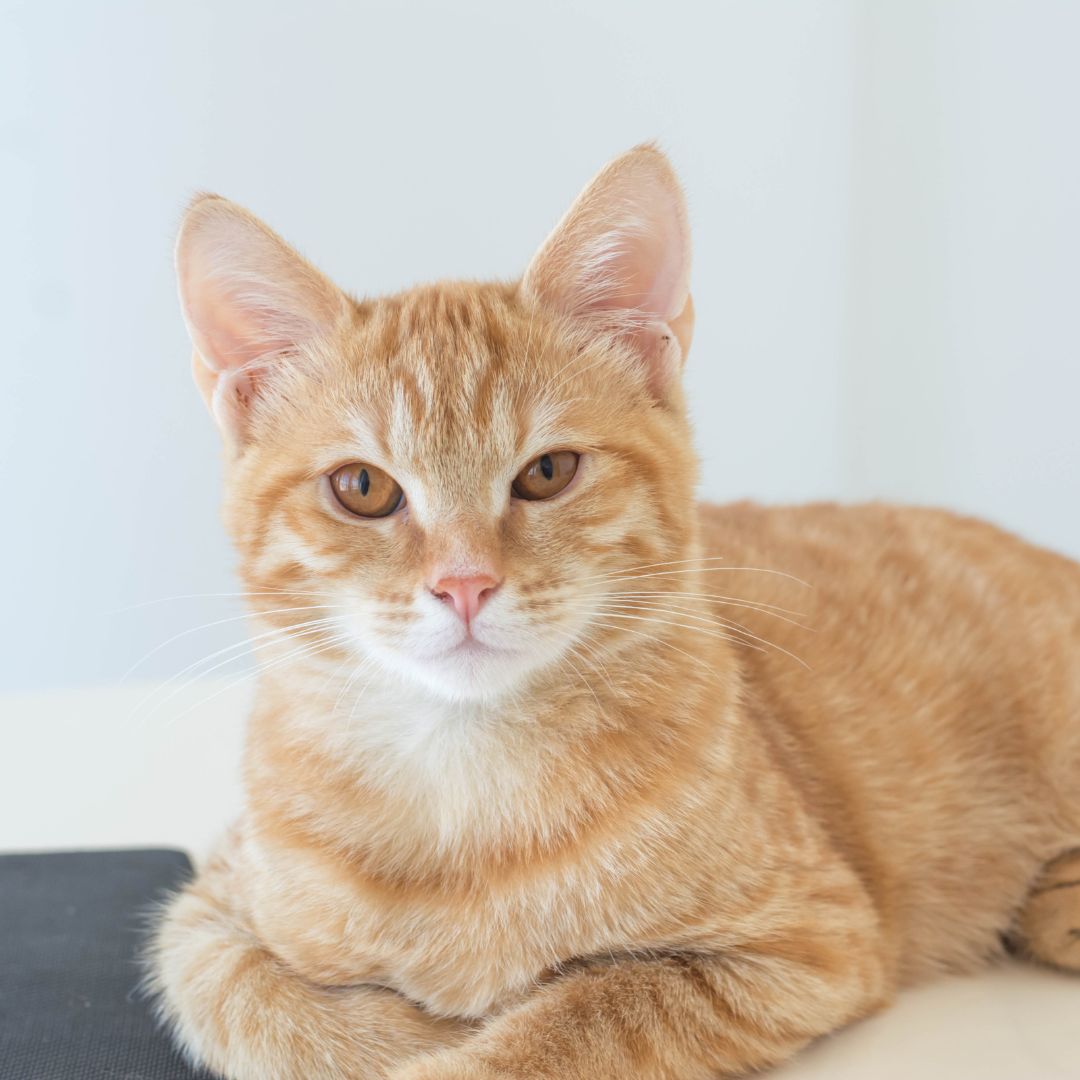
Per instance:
{"type": "Point", "coordinates": [885, 209]}
{"type": "Point", "coordinates": [962, 375]}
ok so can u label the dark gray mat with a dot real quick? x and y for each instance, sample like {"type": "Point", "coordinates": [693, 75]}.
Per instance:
{"type": "Point", "coordinates": [71, 924]}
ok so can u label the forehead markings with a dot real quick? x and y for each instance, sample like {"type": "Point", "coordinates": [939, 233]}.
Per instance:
{"type": "Point", "coordinates": [423, 447]}
{"type": "Point", "coordinates": [380, 444]}
{"type": "Point", "coordinates": [366, 442]}
{"type": "Point", "coordinates": [448, 397]}
{"type": "Point", "coordinates": [546, 427]}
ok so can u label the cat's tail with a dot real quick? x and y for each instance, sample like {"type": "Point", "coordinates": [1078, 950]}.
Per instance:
{"type": "Point", "coordinates": [235, 1008]}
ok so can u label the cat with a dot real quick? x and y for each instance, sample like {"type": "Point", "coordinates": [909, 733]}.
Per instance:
{"type": "Point", "coordinates": [553, 772]}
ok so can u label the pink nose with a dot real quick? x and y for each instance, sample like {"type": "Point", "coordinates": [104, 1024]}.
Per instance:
{"type": "Point", "coordinates": [467, 594]}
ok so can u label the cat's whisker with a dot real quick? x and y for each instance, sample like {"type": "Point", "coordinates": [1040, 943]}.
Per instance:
{"type": "Point", "coordinates": [217, 622]}
{"type": "Point", "coordinates": [570, 588]}
{"type": "Point", "coordinates": [772, 610]}
{"type": "Point", "coordinates": [565, 658]}
{"type": "Point", "coordinates": [248, 645]}
{"type": "Point", "coordinates": [725, 597]}
{"type": "Point", "coordinates": [355, 674]}
{"type": "Point", "coordinates": [297, 654]}
{"type": "Point", "coordinates": [655, 640]}
{"type": "Point", "coordinates": [735, 627]}
{"type": "Point", "coordinates": [335, 677]}
{"type": "Point", "coordinates": [649, 566]}
{"type": "Point", "coordinates": [240, 595]}
{"type": "Point", "coordinates": [367, 664]}
{"type": "Point", "coordinates": [614, 609]}
{"type": "Point", "coordinates": [240, 649]}
{"type": "Point", "coordinates": [251, 642]}
{"type": "Point", "coordinates": [702, 570]}
{"type": "Point", "coordinates": [673, 603]}
{"type": "Point", "coordinates": [610, 613]}
{"type": "Point", "coordinates": [359, 695]}
{"type": "Point", "coordinates": [586, 640]}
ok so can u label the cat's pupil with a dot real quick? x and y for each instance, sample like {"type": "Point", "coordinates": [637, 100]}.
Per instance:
{"type": "Point", "coordinates": [365, 482]}
{"type": "Point", "coordinates": [546, 467]}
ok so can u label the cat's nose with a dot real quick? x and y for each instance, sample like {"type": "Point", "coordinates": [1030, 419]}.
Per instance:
{"type": "Point", "coordinates": [467, 594]}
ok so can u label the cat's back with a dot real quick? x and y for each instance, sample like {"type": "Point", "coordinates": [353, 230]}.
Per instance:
{"type": "Point", "coordinates": [906, 565]}
{"type": "Point", "coordinates": [918, 673]}
{"type": "Point", "coordinates": [914, 609]}
{"type": "Point", "coordinates": [808, 531]}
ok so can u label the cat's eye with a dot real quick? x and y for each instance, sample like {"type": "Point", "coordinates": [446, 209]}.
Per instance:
{"type": "Point", "coordinates": [546, 476]}
{"type": "Point", "coordinates": [365, 491]}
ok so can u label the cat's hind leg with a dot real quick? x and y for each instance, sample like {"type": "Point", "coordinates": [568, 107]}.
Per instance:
{"type": "Point", "coordinates": [1048, 925]}
{"type": "Point", "coordinates": [236, 1008]}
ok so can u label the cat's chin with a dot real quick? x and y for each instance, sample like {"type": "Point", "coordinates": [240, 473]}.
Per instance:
{"type": "Point", "coordinates": [471, 670]}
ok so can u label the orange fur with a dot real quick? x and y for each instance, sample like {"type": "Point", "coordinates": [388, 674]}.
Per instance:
{"type": "Point", "coordinates": [742, 772]}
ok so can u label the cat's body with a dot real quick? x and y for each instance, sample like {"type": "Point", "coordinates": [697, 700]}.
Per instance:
{"type": "Point", "coordinates": [789, 761]}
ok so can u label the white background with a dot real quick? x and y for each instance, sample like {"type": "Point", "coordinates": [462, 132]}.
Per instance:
{"type": "Point", "coordinates": [886, 208]}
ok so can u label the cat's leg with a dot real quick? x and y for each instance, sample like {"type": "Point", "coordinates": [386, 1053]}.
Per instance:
{"type": "Point", "coordinates": [235, 1008]}
{"type": "Point", "coordinates": [680, 1017]}
{"type": "Point", "coordinates": [1048, 926]}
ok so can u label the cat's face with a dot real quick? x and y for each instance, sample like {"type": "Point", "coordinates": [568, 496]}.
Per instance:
{"type": "Point", "coordinates": [460, 473]}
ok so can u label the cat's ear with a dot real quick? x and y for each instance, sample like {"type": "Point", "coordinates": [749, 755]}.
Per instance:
{"type": "Point", "coordinates": [619, 261]}
{"type": "Point", "coordinates": [248, 300]}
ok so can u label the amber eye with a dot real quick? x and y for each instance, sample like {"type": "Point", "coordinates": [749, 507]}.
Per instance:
{"type": "Point", "coordinates": [365, 491]}
{"type": "Point", "coordinates": [546, 476]}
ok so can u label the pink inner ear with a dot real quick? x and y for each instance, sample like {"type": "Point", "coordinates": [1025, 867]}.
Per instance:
{"type": "Point", "coordinates": [624, 249]}
{"type": "Point", "coordinates": [235, 322]}
{"type": "Point", "coordinates": [646, 273]}
{"type": "Point", "coordinates": [248, 298]}
{"type": "Point", "coordinates": [246, 294]}
{"type": "Point", "coordinates": [229, 333]}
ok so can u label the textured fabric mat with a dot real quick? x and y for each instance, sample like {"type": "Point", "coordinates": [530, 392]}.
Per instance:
{"type": "Point", "coordinates": [71, 924]}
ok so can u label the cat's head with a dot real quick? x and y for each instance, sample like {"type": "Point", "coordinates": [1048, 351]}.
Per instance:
{"type": "Point", "coordinates": [462, 473]}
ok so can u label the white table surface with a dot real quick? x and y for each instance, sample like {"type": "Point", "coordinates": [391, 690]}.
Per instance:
{"type": "Point", "coordinates": [106, 768]}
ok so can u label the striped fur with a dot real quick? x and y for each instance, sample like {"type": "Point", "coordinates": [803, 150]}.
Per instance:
{"type": "Point", "coordinates": [726, 777]}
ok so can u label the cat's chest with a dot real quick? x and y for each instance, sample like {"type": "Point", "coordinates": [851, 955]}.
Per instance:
{"type": "Point", "coordinates": [464, 952]}
{"type": "Point", "coordinates": [643, 872]}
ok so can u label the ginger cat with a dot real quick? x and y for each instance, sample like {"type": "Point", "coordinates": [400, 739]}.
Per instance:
{"type": "Point", "coordinates": [553, 772]}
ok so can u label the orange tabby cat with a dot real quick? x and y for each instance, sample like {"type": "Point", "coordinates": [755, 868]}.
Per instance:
{"type": "Point", "coordinates": [553, 772]}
